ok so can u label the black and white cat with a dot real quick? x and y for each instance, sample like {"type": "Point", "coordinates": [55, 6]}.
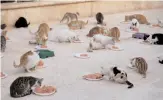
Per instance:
{"type": "Point", "coordinates": [23, 86]}
{"type": "Point", "coordinates": [21, 22]}
{"type": "Point", "coordinates": [116, 74]}
{"type": "Point", "coordinates": [160, 59]}
{"type": "Point", "coordinates": [156, 38]}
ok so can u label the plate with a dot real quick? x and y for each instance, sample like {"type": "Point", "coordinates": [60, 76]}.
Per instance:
{"type": "Point", "coordinates": [119, 48]}
{"type": "Point", "coordinates": [90, 79]}
{"type": "Point", "coordinates": [5, 75]}
{"type": "Point", "coordinates": [132, 31]}
{"type": "Point", "coordinates": [1, 55]}
{"type": "Point", "coordinates": [78, 55]}
{"type": "Point", "coordinates": [125, 22]}
{"type": "Point", "coordinates": [78, 41]}
{"type": "Point", "coordinates": [44, 94]}
{"type": "Point", "coordinates": [143, 42]}
{"type": "Point", "coordinates": [39, 48]}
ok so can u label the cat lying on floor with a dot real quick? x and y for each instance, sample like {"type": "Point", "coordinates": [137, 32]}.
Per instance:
{"type": "Point", "coordinates": [156, 38]}
{"type": "Point", "coordinates": [117, 75]}
{"type": "Point", "coordinates": [63, 36]}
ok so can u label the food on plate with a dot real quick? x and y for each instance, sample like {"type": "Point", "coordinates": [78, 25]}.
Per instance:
{"type": "Point", "coordinates": [43, 46]}
{"type": "Point", "coordinates": [2, 74]}
{"type": "Point", "coordinates": [115, 47]}
{"type": "Point", "coordinates": [156, 25]}
{"type": "Point", "coordinates": [40, 63]}
{"type": "Point", "coordinates": [93, 76]}
{"type": "Point", "coordinates": [83, 55]}
{"type": "Point", "coordinates": [45, 89]}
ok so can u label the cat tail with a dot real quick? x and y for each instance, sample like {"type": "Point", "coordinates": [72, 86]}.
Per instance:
{"type": "Point", "coordinates": [14, 64]}
{"type": "Point", "coordinates": [130, 85]}
{"type": "Point", "coordinates": [86, 22]}
{"type": "Point", "coordinates": [77, 13]}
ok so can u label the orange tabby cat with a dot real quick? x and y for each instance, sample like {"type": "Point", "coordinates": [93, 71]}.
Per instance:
{"type": "Point", "coordinates": [115, 33]}
{"type": "Point", "coordinates": [141, 18]}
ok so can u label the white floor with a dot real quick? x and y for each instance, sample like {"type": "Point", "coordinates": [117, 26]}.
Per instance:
{"type": "Point", "coordinates": [65, 72]}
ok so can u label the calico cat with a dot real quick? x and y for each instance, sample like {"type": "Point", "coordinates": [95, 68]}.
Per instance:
{"type": "Point", "coordinates": [99, 18]}
{"type": "Point", "coordinates": [41, 35]}
{"type": "Point", "coordinates": [79, 24]}
{"type": "Point", "coordinates": [3, 43]}
{"type": "Point", "coordinates": [116, 74]}
{"type": "Point", "coordinates": [140, 64]}
{"type": "Point", "coordinates": [141, 18]}
{"type": "Point", "coordinates": [95, 30]}
{"type": "Point", "coordinates": [21, 22]}
{"type": "Point", "coordinates": [23, 86]}
{"type": "Point", "coordinates": [28, 61]}
{"type": "Point", "coordinates": [156, 38]}
{"type": "Point", "coordinates": [70, 16]}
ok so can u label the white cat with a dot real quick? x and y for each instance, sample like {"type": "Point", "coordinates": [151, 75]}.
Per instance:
{"type": "Point", "coordinates": [100, 41]}
{"type": "Point", "coordinates": [134, 24]}
{"type": "Point", "coordinates": [63, 35]}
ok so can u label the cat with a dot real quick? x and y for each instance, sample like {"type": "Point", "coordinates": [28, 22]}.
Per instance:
{"type": "Point", "coordinates": [100, 41]}
{"type": "Point", "coordinates": [70, 16]}
{"type": "Point", "coordinates": [3, 26]}
{"type": "Point", "coordinates": [63, 36]}
{"type": "Point", "coordinates": [156, 38]}
{"type": "Point", "coordinates": [160, 59]}
{"type": "Point", "coordinates": [160, 23]}
{"type": "Point", "coordinates": [21, 22]}
{"type": "Point", "coordinates": [134, 24]}
{"type": "Point", "coordinates": [140, 64]}
{"type": "Point", "coordinates": [28, 61]}
{"type": "Point", "coordinates": [141, 18]}
{"type": "Point", "coordinates": [22, 86]}
{"type": "Point", "coordinates": [41, 35]}
{"type": "Point", "coordinates": [79, 24]}
{"type": "Point", "coordinates": [96, 30]}
{"type": "Point", "coordinates": [116, 74]}
{"type": "Point", "coordinates": [113, 32]}
{"type": "Point", "coordinates": [99, 18]}
{"type": "Point", "coordinates": [3, 43]}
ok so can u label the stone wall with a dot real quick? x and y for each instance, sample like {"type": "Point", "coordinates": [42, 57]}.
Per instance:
{"type": "Point", "coordinates": [37, 13]}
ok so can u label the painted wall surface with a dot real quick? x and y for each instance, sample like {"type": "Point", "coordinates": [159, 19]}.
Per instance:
{"type": "Point", "coordinates": [37, 15]}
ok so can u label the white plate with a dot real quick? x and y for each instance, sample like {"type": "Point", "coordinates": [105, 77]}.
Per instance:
{"type": "Point", "coordinates": [119, 48]}
{"type": "Point", "coordinates": [129, 30]}
{"type": "Point", "coordinates": [78, 41]}
{"type": "Point", "coordinates": [82, 57]}
{"type": "Point", "coordinates": [90, 79]}
{"type": "Point", "coordinates": [1, 55]}
{"type": "Point", "coordinates": [9, 40]}
{"type": "Point", "coordinates": [44, 94]}
{"type": "Point", "coordinates": [142, 42]}
{"type": "Point", "coordinates": [39, 48]}
{"type": "Point", "coordinates": [5, 75]}
{"type": "Point", "coordinates": [125, 22]}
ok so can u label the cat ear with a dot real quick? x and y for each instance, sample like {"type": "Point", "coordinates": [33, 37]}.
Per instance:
{"type": "Point", "coordinates": [40, 79]}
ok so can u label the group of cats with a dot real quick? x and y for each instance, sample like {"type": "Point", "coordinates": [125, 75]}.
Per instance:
{"type": "Point", "coordinates": [23, 86]}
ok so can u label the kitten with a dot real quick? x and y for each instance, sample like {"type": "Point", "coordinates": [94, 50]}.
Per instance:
{"type": "Point", "coordinates": [3, 43]}
{"type": "Point", "coordinates": [116, 74]}
{"type": "Point", "coordinates": [23, 86]}
{"type": "Point", "coordinates": [100, 42]}
{"type": "Point", "coordinates": [141, 18]}
{"type": "Point", "coordinates": [156, 38]}
{"type": "Point", "coordinates": [63, 36]}
{"type": "Point", "coordinates": [99, 18]}
{"type": "Point", "coordinates": [70, 16]}
{"type": "Point", "coordinates": [21, 22]}
{"type": "Point", "coordinates": [140, 64]}
{"type": "Point", "coordinates": [41, 35]}
{"type": "Point", "coordinates": [77, 24]}
{"type": "Point", "coordinates": [28, 61]}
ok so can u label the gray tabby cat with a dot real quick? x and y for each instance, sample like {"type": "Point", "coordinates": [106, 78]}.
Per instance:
{"type": "Point", "coordinates": [70, 16]}
{"type": "Point", "coordinates": [22, 86]}
{"type": "Point", "coordinates": [3, 43]}
{"type": "Point", "coordinates": [140, 64]}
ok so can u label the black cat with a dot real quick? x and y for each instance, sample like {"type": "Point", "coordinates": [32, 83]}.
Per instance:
{"type": "Point", "coordinates": [99, 18]}
{"type": "Point", "coordinates": [21, 22]}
